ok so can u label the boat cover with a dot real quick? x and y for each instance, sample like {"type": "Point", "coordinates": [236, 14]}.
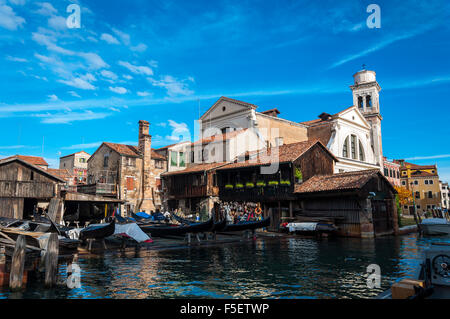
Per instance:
{"type": "Point", "coordinates": [301, 226]}
{"type": "Point", "coordinates": [435, 221]}
{"type": "Point", "coordinates": [131, 230]}
{"type": "Point", "coordinates": [143, 215]}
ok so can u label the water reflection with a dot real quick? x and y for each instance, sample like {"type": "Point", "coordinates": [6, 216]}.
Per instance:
{"type": "Point", "coordinates": [265, 268]}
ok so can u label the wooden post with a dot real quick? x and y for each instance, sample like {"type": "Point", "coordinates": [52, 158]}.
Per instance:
{"type": "Point", "coordinates": [18, 264]}
{"type": "Point", "coordinates": [51, 260]}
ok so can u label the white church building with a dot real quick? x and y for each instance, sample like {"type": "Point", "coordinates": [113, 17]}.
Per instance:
{"type": "Point", "coordinates": [354, 134]}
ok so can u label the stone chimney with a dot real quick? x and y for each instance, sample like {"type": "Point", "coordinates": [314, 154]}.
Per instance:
{"type": "Point", "coordinates": [145, 147]}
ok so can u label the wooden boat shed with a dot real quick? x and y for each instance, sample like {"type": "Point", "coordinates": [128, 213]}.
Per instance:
{"type": "Point", "coordinates": [24, 186]}
{"type": "Point", "coordinates": [360, 203]}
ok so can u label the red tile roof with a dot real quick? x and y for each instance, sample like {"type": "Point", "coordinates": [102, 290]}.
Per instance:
{"type": "Point", "coordinates": [337, 182]}
{"type": "Point", "coordinates": [286, 153]}
{"type": "Point", "coordinates": [196, 168]}
{"type": "Point", "coordinates": [74, 154]}
{"type": "Point", "coordinates": [35, 160]}
{"type": "Point", "coordinates": [319, 120]}
{"type": "Point", "coordinates": [131, 150]}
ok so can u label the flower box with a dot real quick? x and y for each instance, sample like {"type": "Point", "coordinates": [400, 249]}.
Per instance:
{"type": "Point", "coordinates": [249, 185]}
{"type": "Point", "coordinates": [229, 186]}
{"type": "Point", "coordinates": [239, 186]}
{"type": "Point", "coordinates": [260, 184]}
{"type": "Point", "coordinates": [285, 183]}
{"type": "Point", "coordinates": [273, 183]}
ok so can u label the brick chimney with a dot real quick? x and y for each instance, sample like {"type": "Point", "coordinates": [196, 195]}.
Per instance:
{"type": "Point", "coordinates": [145, 147]}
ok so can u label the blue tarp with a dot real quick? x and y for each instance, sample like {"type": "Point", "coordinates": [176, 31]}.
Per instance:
{"type": "Point", "coordinates": [143, 215]}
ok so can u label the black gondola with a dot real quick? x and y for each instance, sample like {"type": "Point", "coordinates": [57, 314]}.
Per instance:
{"type": "Point", "coordinates": [161, 231]}
{"type": "Point", "coordinates": [98, 231]}
{"type": "Point", "coordinates": [247, 225]}
{"type": "Point", "coordinates": [220, 226]}
{"type": "Point", "coordinates": [182, 220]}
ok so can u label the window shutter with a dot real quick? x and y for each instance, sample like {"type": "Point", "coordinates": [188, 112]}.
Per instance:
{"type": "Point", "coordinates": [130, 183]}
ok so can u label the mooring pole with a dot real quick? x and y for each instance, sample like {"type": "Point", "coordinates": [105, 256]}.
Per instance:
{"type": "Point", "coordinates": [18, 264]}
{"type": "Point", "coordinates": [51, 260]}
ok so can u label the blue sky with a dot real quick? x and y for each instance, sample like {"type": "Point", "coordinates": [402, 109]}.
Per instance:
{"type": "Point", "coordinates": [63, 90]}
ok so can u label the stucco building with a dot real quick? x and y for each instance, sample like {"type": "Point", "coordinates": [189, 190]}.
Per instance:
{"type": "Point", "coordinates": [76, 164]}
{"type": "Point", "coordinates": [445, 192]}
{"type": "Point", "coordinates": [391, 171]}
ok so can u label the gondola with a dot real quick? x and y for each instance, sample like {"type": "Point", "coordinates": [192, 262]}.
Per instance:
{"type": "Point", "coordinates": [247, 225]}
{"type": "Point", "coordinates": [220, 226]}
{"type": "Point", "coordinates": [182, 220]}
{"type": "Point", "coordinates": [161, 231]}
{"type": "Point", "coordinates": [98, 231]}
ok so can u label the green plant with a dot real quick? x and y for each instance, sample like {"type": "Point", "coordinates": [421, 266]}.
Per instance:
{"type": "Point", "coordinates": [399, 210]}
{"type": "Point", "coordinates": [249, 185]}
{"type": "Point", "coordinates": [239, 185]}
{"type": "Point", "coordinates": [273, 183]}
{"type": "Point", "coordinates": [229, 186]}
{"type": "Point", "coordinates": [285, 182]}
{"type": "Point", "coordinates": [260, 184]}
{"type": "Point", "coordinates": [298, 174]}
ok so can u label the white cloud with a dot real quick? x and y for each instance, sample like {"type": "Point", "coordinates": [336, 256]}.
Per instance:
{"type": "Point", "coordinates": [136, 68]}
{"type": "Point", "coordinates": [68, 117]}
{"type": "Point", "coordinates": [74, 94]}
{"type": "Point", "coordinates": [52, 97]}
{"type": "Point", "coordinates": [79, 83]}
{"type": "Point", "coordinates": [124, 37]}
{"type": "Point", "coordinates": [128, 77]}
{"type": "Point", "coordinates": [8, 18]}
{"type": "Point", "coordinates": [109, 38]}
{"type": "Point", "coordinates": [416, 158]}
{"type": "Point", "coordinates": [46, 9]}
{"type": "Point", "coordinates": [109, 75]}
{"type": "Point", "coordinates": [143, 93]}
{"type": "Point", "coordinates": [118, 90]}
{"type": "Point", "coordinates": [82, 146]}
{"type": "Point", "coordinates": [18, 2]}
{"type": "Point", "coordinates": [141, 47]}
{"type": "Point", "coordinates": [16, 59]}
{"type": "Point", "coordinates": [173, 86]}
{"type": "Point", "coordinates": [57, 23]}
{"type": "Point", "coordinates": [94, 60]}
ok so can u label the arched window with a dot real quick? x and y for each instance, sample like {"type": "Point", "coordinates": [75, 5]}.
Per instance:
{"type": "Point", "coordinates": [360, 102]}
{"type": "Point", "coordinates": [345, 148]}
{"type": "Point", "coordinates": [353, 146]}
{"type": "Point", "coordinates": [361, 152]}
{"type": "Point", "coordinates": [368, 101]}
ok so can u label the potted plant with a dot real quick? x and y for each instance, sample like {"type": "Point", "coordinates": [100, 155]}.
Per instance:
{"type": "Point", "coordinates": [298, 176]}
{"type": "Point", "coordinates": [229, 186]}
{"type": "Point", "coordinates": [285, 182]}
{"type": "Point", "coordinates": [260, 184]}
{"type": "Point", "coordinates": [273, 183]}
{"type": "Point", "coordinates": [249, 185]}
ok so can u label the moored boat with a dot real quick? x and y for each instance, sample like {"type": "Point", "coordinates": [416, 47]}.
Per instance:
{"type": "Point", "coordinates": [161, 231]}
{"type": "Point", "coordinates": [435, 226]}
{"type": "Point", "coordinates": [97, 231]}
{"type": "Point", "coordinates": [250, 225]}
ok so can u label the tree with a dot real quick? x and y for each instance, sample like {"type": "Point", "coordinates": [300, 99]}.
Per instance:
{"type": "Point", "coordinates": [404, 195]}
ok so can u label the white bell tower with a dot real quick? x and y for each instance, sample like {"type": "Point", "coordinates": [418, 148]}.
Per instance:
{"type": "Point", "coordinates": [366, 97]}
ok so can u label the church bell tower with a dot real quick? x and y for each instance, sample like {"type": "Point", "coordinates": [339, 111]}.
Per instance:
{"type": "Point", "coordinates": [366, 97]}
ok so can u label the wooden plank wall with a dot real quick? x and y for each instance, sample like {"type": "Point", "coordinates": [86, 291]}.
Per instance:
{"type": "Point", "coordinates": [11, 207]}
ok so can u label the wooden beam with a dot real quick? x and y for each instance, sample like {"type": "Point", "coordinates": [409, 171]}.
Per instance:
{"type": "Point", "coordinates": [18, 264]}
{"type": "Point", "coordinates": [51, 260]}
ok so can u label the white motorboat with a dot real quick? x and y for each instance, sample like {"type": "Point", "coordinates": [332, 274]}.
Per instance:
{"type": "Point", "coordinates": [435, 226]}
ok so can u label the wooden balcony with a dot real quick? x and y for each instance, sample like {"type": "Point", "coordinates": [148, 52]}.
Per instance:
{"type": "Point", "coordinates": [257, 194]}
{"type": "Point", "coordinates": [103, 189]}
{"type": "Point", "coordinates": [187, 191]}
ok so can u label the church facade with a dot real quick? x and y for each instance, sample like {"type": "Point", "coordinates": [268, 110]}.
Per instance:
{"type": "Point", "coordinates": [354, 134]}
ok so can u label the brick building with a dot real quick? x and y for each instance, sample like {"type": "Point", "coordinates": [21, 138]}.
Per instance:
{"type": "Point", "coordinates": [391, 171]}
{"type": "Point", "coordinates": [127, 172]}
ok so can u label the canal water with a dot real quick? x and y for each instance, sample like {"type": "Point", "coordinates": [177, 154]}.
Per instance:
{"type": "Point", "coordinates": [263, 268]}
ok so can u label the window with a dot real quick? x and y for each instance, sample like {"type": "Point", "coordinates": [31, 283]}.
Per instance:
{"type": "Point", "coordinates": [182, 161]}
{"type": "Point", "coordinates": [192, 157]}
{"type": "Point", "coordinates": [418, 206]}
{"type": "Point", "coordinates": [431, 182]}
{"type": "Point", "coordinates": [386, 171]}
{"type": "Point", "coordinates": [391, 173]}
{"type": "Point", "coordinates": [404, 183]}
{"type": "Point", "coordinates": [361, 152]}
{"type": "Point", "coordinates": [82, 160]}
{"type": "Point", "coordinates": [360, 102]}
{"type": "Point", "coordinates": [417, 195]}
{"type": "Point", "coordinates": [426, 182]}
{"type": "Point", "coordinates": [159, 164]}
{"type": "Point", "coordinates": [173, 158]}
{"type": "Point", "coordinates": [416, 182]}
{"type": "Point", "coordinates": [430, 194]}
{"type": "Point", "coordinates": [105, 160]}
{"type": "Point", "coordinates": [368, 101]}
{"type": "Point", "coordinates": [353, 146]}
{"type": "Point", "coordinates": [131, 161]}
{"type": "Point", "coordinates": [345, 148]}
{"type": "Point", "coordinates": [398, 174]}
{"type": "Point", "coordinates": [32, 176]}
